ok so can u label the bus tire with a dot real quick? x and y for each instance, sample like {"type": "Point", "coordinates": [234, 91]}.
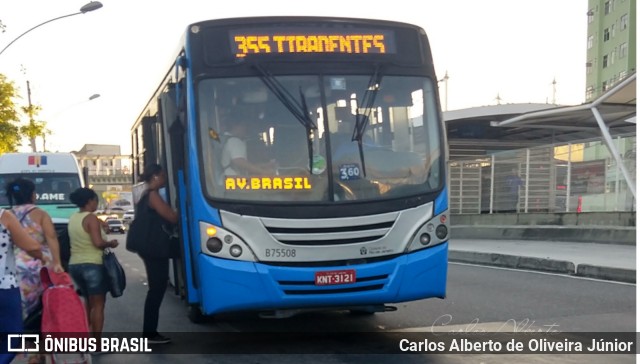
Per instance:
{"type": "Point", "coordinates": [195, 314]}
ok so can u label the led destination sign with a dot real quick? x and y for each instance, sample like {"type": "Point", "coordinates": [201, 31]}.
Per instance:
{"type": "Point", "coordinates": [299, 42]}
{"type": "Point", "coordinates": [267, 183]}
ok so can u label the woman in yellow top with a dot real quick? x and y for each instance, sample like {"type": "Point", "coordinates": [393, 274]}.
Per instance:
{"type": "Point", "coordinates": [85, 265]}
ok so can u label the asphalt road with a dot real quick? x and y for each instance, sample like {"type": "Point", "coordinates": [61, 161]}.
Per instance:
{"type": "Point", "coordinates": [479, 299]}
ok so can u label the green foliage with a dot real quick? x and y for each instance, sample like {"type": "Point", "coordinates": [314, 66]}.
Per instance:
{"type": "Point", "coordinates": [34, 128]}
{"type": "Point", "coordinates": [10, 133]}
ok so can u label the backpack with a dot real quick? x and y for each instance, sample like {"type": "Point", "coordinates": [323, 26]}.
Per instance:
{"type": "Point", "coordinates": [62, 309]}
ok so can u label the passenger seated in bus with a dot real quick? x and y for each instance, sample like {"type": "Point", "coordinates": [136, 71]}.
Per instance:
{"type": "Point", "coordinates": [291, 150]}
{"type": "Point", "coordinates": [381, 163]}
{"type": "Point", "coordinates": [234, 152]}
{"type": "Point", "coordinates": [345, 149]}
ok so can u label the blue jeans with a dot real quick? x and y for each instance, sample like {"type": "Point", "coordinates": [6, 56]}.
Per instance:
{"type": "Point", "coordinates": [89, 278]}
{"type": "Point", "coordinates": [10, 321]}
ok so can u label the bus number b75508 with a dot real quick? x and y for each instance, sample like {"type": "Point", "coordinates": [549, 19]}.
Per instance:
{"type": "Point", "coordinates": [280, 253]}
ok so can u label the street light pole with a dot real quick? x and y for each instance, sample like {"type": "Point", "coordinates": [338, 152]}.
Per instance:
{"type": "Point", "coordinates": [91, 6]}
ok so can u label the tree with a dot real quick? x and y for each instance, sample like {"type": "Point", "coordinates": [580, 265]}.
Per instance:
{"type": "Point", "coordinates": [10, 133]}
{"type": "Point", "coordinates": [35, 128]}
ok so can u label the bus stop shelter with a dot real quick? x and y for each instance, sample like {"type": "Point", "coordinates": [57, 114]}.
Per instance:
{"type": "Point", "coordinates": [613, 113]}
{"type": "Point", "coordinates": [487, 144]}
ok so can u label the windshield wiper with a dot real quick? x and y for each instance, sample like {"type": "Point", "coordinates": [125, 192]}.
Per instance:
{"type": "Point", "coordinates": [298, 109]}
{"type": "Point", "coordinates": [309, 125]}
{"type": "Point", "coordinates": [362, 120]}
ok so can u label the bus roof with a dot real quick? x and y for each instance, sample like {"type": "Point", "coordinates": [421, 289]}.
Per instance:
{"type": "Point", "coordinates": [253, 20]}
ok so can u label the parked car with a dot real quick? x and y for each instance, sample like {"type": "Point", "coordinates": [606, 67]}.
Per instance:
{"type": "Point", "coordinates": [116, 226]}
{"type": "Point", "coordinates": [128, 216]}
{"type": "Point", "coordinates": [105, 217]}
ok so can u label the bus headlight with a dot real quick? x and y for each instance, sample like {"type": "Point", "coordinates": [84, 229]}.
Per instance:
{"type": "Point", "coordinates": [222, 243]}
{"type": "Point", "coordinates": [235, 251]}
{"type": "Point", "coordinates": [442, 232]}
{"type": "Point", "coordinates": [425, 239]}
{"type": "Point", "coordinates": [214, 245]}
{"type": "Point", "coordinates": [433, 232]}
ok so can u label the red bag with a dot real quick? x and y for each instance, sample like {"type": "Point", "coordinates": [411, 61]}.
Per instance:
{"type": "Point", "coordinates": [62, 308]}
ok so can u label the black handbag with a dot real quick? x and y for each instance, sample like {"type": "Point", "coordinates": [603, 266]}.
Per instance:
{"type": "Point", "coordinates": [138, 228]}
{"type": "Point", "coordinates": [115, 273]}
{"type": "Point", "coordinates": [149, 234]}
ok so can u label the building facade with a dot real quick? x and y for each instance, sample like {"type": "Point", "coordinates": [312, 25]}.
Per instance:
{"type": "Point", "coordinates": [109, 175]}
{"type": "Point", "coordinates": [611, 44]}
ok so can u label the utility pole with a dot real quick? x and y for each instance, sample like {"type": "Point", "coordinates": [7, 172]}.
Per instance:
{"type": "Point", "coordinates": [445, 79]}
{"type": "Point", "coordinates": [498, 99]}
{"type": "Point", "coordinates": [32, 138]}
{"type": "Point", "coordinates": [553, 91]}
{"type": "Point", "coordinates": [44, 140]}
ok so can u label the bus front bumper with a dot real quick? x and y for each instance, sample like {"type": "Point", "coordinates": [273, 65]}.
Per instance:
{"type": "Point", "coordinates": [227, 285]}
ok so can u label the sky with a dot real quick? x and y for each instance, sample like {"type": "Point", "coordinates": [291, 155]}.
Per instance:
{"type": "Point", "coordinates": [514, 49]}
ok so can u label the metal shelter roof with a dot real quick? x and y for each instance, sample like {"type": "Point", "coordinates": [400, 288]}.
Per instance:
{"type": "Point", "coordinates": [609, 115]}
{"type": "Point", "coordinates": [616, 106]}
{"type": "Point", "coordinates": [480, 131]}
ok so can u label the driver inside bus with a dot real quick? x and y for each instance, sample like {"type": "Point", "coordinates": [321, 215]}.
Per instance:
{"type": "Point", "coordinates": [234, 151]}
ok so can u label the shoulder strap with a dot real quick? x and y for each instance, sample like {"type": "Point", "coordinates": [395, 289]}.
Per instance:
{"type": "Point", "coordinates": [26, 213]}
{"type": "Point", "coordinates": [45, 278]}
{"type": "Point", "coordinates": [143, 203]}
{"type": "Point", "coordinates": [50, 278]}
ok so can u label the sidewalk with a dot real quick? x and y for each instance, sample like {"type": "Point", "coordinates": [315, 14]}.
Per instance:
{"type": "Point", "coordinates": [602, 261]}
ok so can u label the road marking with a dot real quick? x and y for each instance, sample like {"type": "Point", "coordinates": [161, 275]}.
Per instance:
{"type": "Point", "coordinates": [513, 326]}
{"type": "Point", "coordinates": [544, 273]}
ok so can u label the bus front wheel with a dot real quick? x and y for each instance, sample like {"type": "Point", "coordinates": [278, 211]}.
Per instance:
{"type": "Point", "coordinates": [195, 314]}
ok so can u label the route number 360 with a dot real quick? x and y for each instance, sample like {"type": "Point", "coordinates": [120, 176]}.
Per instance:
{"type": "Point", "coordinates": [349, 172]}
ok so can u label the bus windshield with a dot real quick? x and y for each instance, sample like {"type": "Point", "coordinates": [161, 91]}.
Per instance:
{"type": "Point", "coordinates": [51, 188]}
{"type": "Point", "coordinates": [320, 138]}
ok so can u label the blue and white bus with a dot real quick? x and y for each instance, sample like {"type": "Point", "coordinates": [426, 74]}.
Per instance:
{"type": "Point", "coordinates": [349, 209]}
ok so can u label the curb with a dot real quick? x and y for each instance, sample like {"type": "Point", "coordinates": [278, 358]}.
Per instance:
{"type": "Point", "coordinates": [513, 261]}
{"type": "Point", "coordinates": [543, 265]}
{"type": "Point", "coordinates": [608, 273]}
{"type": "Point", "coordinates": [622, 235]}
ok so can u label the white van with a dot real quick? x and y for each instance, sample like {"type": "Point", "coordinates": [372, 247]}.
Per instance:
{"type": "Point", "coordinates": [55, 175]}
